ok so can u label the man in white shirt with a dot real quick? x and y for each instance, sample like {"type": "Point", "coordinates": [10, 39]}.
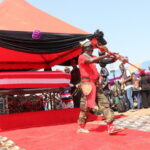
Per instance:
{"type": "Point", "coordinates": [127, 80]}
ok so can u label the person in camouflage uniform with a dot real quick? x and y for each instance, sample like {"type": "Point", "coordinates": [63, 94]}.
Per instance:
{"type": "Point", "coordinates": [92, 93]}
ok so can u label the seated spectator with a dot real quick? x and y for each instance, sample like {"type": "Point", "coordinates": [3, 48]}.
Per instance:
{"type": "Point", "coordinates": [67, 69]}
{"type": "Point", "coordinates": [67, 100]}
{"type": "Point", "coordinates": [66, 97]}
{"type": "Point", "coordinates": [136, 89]}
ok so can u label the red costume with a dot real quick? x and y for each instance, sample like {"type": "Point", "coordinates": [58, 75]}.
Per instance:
{"type": "Point", "coordinates": [89, 74]}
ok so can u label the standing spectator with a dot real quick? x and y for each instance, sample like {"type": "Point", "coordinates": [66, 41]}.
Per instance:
{"type": "Point", "coordinates": [75, 79]}
{"type": "Point", "coordinates": [105, 73]}
{"type": "Point", "coordinates": [145, 93]}
{"type": "Point", "coordinates": [104, 62]}
{"type": "Point", "coordinates": [127, 80]}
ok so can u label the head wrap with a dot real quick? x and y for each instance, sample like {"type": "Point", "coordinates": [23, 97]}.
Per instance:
{"type": "Point", "coordinates": [86, 45]}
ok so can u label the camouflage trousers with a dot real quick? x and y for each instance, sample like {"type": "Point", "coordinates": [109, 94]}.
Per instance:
{"type": "Point", "coordinates": [101, 105]}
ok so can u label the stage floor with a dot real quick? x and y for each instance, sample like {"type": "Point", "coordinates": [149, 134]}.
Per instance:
{"type": "Point", "coordinates": [56, 130]}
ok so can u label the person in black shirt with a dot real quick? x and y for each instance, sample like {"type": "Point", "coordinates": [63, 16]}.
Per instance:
{"type": "Point", "coordinates": [75, 79]}
{"type": "Point", "coordinates": [145, 92]}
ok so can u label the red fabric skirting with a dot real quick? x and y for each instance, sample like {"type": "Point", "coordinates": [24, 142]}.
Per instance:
{"type": "Point", "coordinates": [40, 118]}
{"type": "Point", "coordinates": [34, 79]}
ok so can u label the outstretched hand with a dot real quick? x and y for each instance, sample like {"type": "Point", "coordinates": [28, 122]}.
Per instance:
{"type": "Point", "coordinates": [121, 58]}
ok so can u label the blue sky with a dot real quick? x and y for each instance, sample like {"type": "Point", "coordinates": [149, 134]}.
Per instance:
{"type": "Point", "coordinates": [125, 23]}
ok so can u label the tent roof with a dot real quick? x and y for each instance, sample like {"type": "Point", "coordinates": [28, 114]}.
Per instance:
{"type": "Point", "coordinates": [58, 43]}
{"type": "Point", "coordinates": [19, 15]}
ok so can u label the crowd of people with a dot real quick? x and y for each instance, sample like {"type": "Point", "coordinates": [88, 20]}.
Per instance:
{"type": "Point", "coordinates": [130, 92]}
{"type": "Point", "coordinates": [94, 93]}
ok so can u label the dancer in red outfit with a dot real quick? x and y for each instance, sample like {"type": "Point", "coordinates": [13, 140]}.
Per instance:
{"type": "Point", "coordinates": [92, 93]}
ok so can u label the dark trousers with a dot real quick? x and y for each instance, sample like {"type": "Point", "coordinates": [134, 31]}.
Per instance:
{"type": "Point", "coordinates": [76, 95]}
{"type": "Point", "coordinates": [145, 98]}
{"type": "Point", "coordinates": [137, 94]}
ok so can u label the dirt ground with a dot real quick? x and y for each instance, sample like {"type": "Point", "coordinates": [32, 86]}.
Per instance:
{"type": "Point", "coordinates": [136, 112]}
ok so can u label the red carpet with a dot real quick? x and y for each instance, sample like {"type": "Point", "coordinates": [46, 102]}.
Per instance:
{"type": "Point", "coordinates": [56, 130]}
{"type": "Point", "coordinates": [64, 137]}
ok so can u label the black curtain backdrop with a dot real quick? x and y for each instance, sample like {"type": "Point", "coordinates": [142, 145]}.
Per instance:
{"type": "Point", "coordinates": [49, 43]}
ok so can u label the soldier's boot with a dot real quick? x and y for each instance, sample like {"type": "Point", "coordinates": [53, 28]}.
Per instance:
{"type": "Point", "coordinates": [111, 128]}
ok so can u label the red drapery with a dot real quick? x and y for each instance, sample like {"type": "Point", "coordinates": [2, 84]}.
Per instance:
{"type": "Point", "coordinates": [10, 59]}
